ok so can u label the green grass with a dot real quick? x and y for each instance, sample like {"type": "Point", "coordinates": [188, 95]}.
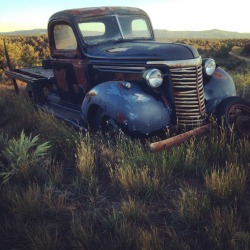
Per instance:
{"type": "Point", "coordinates": [64, 190]}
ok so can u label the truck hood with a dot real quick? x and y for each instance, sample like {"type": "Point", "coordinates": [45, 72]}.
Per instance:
{"type": "Point", "coordinates": [142, 51]}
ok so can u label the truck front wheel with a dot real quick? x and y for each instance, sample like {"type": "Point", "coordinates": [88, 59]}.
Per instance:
{"type": "Point", "coordinates": [106, 124]}
{"type": "Point", "coordinates": [234, 112]}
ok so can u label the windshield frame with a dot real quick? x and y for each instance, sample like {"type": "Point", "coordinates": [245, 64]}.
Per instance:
{"type": "Point", "coordinates": [117, 29]}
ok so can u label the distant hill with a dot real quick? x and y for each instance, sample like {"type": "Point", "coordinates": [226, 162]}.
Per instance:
{"type": "Point", "coordinates": [161, 34]}
{"type": "Point", "coordinates": [25, 32]}
{"type": "Point", "coordinates": [207, 34]}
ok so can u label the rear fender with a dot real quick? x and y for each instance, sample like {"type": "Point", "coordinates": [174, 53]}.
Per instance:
{"type": "Point", "coordinates": [128, 105]}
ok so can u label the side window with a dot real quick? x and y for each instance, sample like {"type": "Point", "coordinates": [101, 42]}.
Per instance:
{"type": "Point", "coordinates": [140, 28]}
{"type": "Point", "coordinates": [64, 37]}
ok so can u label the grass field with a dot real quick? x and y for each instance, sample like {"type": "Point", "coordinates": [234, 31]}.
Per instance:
{"type": "Point", "coordinates": [61, 189]}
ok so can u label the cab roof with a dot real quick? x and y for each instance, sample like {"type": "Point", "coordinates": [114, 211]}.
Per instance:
{"type": "Point", "coordinates": [76, 14]}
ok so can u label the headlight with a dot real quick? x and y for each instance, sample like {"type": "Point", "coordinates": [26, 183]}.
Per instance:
{"type": "Point", "coordinates": [153, 77]}
{"type": "Point", "coordinates": [209, 66]}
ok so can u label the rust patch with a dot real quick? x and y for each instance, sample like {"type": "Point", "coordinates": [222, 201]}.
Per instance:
{"type": "Point", "coordinates": [61, 79]}
{"type": "Point", "coordinates": [80, 75]}
{"type": "Point", "coordinates": [91, 94]}
{"type": "Point", "coordinates": [101, 11]}
{"type": "Point", "coordinates": [219, 75]}
{"type": "Point", "coordinates": [120, 118]}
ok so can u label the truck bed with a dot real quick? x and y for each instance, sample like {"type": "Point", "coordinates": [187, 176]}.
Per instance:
{"type": "Point", "coordinates": [32, 74]}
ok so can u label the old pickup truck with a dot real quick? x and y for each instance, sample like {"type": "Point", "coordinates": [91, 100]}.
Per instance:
{"type": "Point", "coordinates": [107, 72]}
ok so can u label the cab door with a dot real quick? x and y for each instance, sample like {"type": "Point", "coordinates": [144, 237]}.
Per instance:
{"type": "Point", "coordinates": [67, 62]}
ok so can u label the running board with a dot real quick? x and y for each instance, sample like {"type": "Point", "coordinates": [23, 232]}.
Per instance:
{"type": "Point", "coordinates": [70, 116]}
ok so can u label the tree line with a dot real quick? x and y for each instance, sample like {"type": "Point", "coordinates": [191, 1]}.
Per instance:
{"type": "Point", "coordinates": [27, 51]}
{"type": "Point", "coordinates": [24, 51]}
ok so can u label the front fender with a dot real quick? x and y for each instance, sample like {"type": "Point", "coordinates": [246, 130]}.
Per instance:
{"type": "Point", "coordinates": [219, 87]}
{"type": "Point", "coordinates": [128, 105]}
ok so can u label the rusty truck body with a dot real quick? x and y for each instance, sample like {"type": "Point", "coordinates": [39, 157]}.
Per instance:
{"type": "Point", "coordinates": [106, 71]}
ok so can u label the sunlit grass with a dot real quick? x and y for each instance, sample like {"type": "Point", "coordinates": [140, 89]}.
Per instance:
{"type": "Point", "coordinates": [94, 194]}
{"type": "Point", "coordinates": [62, 138]}
{"type": "Point", "coordinates": [143, 181]}
{"type": "Point", "coordinates": [227, 183]}
{"type": "Point", "coordinates": [192, 207]}
{"type": "Point", "coordinates": [242, 82]}
{"type": "Point", "coordinates": [85, 159]}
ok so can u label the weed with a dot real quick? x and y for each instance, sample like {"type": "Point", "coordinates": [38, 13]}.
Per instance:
{"type": "Point", "coordinates": [243, 149]}
{"type": "Point", "coordinates": [55, 173]}
{"type": "Point", "coordinates": [228, 183]}
{"type": "Point", "coordinates": [44, 237]}
{"type": "Point", "coordinates": [26, 203]}
{"type": "Point", "coordinates": [133, 152]}
{"type": "Point", "coordinates": [225, 231]}
{"type": "Point", "coordinates": [172, 239]}
{"type": "Point", "coordinates": [85, 159]}
{"type": "Point", "coordinates": [83, 233]}
{"type": "Point", "coordinates": [54, 201]}
{"type": "Point", "coordinates": [125, 236]}
{"type": "Point", "coordinates": [133, 211]}
{"type": "Point", "coordinates": [63, 139]}
{"type": "Point", "coordinates": [221, 146]}
{"type": "Point", "coordinates": [149, 239]}
{"type": "Point", "coordinates": [241, 240]}
{"type": "Point", "coordinates": [23, 155]}
{"type": "Point", "coordinates": [16, 113]}
{"type": "Point", "coordinates": [194, 157]}
{"type": "Point", "coordinates": [192, 207]}
{"type": "Point", "coordinates": [143, 181]}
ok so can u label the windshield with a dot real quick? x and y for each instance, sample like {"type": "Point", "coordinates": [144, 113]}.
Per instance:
{"type": "Point", "coordinates": [113, 28]}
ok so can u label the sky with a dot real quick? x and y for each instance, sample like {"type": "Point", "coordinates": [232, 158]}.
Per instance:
{"type": "Point", "coordinates": [175, 15]}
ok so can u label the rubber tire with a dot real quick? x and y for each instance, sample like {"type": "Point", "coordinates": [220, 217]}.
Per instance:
{"type": "Point", "coordinates": [104, 123]}
{"type": "Point", "coordinates": [223, 114]}
{"type": "Point", "coordinates": [35, 93]}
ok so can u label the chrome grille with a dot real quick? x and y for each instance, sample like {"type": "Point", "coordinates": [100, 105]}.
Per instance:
{"type": "Point", "coordinates": [188, 95]}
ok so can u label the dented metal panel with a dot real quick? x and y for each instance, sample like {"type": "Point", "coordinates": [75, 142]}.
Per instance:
{"type": "Point", "coordinates": [131, 107]}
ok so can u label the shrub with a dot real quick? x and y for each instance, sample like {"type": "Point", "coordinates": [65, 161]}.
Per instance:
{"type": "Point", "coordinates": [23, 155]}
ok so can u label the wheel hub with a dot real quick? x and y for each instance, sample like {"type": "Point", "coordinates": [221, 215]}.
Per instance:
{"type": "Point", "coordinates": [239, 116]}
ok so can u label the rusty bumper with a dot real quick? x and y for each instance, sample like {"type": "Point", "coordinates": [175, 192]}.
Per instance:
{"type": "Point", "coordinates": [178, 139]}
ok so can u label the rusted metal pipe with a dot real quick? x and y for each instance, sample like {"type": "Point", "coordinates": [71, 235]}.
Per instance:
{"type": "Point", "coordinates": [178, 139]}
